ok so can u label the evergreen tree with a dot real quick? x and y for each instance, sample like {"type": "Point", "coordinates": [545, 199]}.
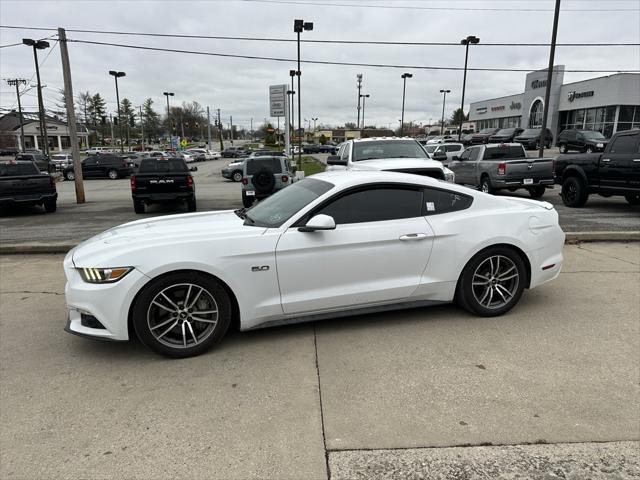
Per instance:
{"type": "Point", "coordinates": [150, 119]}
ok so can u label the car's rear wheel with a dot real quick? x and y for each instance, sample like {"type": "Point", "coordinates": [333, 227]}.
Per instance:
{"type": "Point", "coordinates": [536, 192]}
{"type": "Point", "coordinates": [247, 201]}
{"type": "Point", "coordinates": [50, 206]}
{"type": "Point", "coordinates": [69, 175]}
{"type": "Point", "coordinates": [485, 185]}
{"type": "Point", "coordinates": [182, 314]}
{"type": "Point", "coordinates": [191, 204]}
{"type": "Point", "coordinates": [138, 206]}
{"type": "Point", "coordinates": [492, 282]}
{"type": "Point", "coordinates": [113, 174]}
{"type": "Point", "coordinates": [562, 148]}
{"type": "Point", "coordinates": [574, 192]}
{"type": "Point", "coordinates": [237, 176]}
{"type": "Point", "coordinates": [633, 198]}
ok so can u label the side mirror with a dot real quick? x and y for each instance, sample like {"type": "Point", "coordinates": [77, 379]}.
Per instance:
{"type": "Point", "coordinates": [440, 156]}
{"type": "Point", "coordinates": [456, 157]}
{"type": "Point", "coordinates": [319, 222]}
{"type": "Point", "coordinates": [193, 169]}
{"type": "Point", "coordinates": [335, 160]}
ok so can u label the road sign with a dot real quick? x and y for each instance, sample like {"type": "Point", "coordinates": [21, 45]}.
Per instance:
{"type": "Point", "coordinates": [183, 142]}
{"type": "Point", "coordinates": [277, 94]}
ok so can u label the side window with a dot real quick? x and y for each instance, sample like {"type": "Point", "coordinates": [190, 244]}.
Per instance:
{"type": "Point", "coordinates": [474, 153]}
{"type": "Point", "coordinates": [465, 155]}
{"type": "Point", "coordinates": [375, 204]}
{"type": "Point", "coordinates": [624, 144]}
{"type": "Point", "coordinates": [345, 151]}
{"type": "Point", "coordinates": [452, 148]}
{"type": "Point", "coordinates": [443, 201]}
{"type": "Point", "coordinates": [90, 161]}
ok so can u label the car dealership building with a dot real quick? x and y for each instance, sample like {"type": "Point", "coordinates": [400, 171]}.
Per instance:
{"type": "Point", "coordinates": [607, 104]}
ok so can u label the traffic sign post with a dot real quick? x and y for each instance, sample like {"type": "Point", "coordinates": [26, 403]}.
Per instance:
{"type": "Point", "coordinates": [278, 107]}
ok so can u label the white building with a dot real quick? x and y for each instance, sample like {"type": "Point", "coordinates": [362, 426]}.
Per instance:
{"type": "Point", "coordinates": [57, 132]}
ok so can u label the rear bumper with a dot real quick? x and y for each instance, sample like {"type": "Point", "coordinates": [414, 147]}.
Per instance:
{"type": "Point", "coordinates": [162, 197]}
{"type": "Point", "coordinates": [505, 183]}
{"type": "Point", "coordinates": [28, 199]}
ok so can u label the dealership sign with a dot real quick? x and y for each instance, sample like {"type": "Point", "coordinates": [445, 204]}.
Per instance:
{"type": "Point", "coordinates": [573, 95]}
{"type": "Point", "coordinates": [515, 106]}
{"type": "Point", "coordinates": [497, 109]}
{"type": "Point", "coordinates": [277, 100]}
{"type": "Point", "coordinates": [538, 84]}
{"type": "Point", "coordinates": [481, 110]}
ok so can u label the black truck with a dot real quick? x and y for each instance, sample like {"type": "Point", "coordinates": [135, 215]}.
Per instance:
{"type": "Point", "coordinates": [163, 180]}
{"type": "Point", "coordinates": [22, 184]}
{"type": "Point", "coordinates": [616, 171]}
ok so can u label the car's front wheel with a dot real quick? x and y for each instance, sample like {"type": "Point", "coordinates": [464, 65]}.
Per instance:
{"type": "Point", "coordinates": [112, 174]}
{"type": "Point", "coordinates": [492, 282]}
{"type": "Point", "coordinates": [562, 148]}
{"type": "Point", "coordinates": [574, 192]}
{"type": "Point", "coordinates": [589, 150]}
{"type": "Point", "coordinates": [182, 314]}
{"type": "Point", "coordinates": [69, 175]}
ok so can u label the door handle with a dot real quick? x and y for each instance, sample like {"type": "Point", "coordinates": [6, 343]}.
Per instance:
{"type": "Point", "coordinates": [413, 237]}
{"type": "Point", "coordinates": [606, 159]}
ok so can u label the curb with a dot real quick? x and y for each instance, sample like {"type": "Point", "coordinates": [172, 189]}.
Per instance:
{"type": "Point", "coordinates": [571, 238]}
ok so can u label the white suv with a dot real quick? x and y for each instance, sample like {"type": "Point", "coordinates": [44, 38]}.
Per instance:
{"type": "Point", "coordinates": [389, 154]}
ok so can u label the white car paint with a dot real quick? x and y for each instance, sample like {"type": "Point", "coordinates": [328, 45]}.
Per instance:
{"type": "Point", "coordinates": [311, 274]}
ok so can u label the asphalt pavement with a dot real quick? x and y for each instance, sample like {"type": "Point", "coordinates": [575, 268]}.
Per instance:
{"type": "Point", "coordinates": [548, 391]}
{"type": "Point", "coordinates": [109, 204]}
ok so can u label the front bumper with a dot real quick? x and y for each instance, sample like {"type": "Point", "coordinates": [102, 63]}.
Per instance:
{"type": "Point", "coordinates": [109, 303]}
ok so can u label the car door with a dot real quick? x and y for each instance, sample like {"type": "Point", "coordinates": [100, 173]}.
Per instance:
{"type": "Point", "coordinates": [617, 166]}
{"type": "Point", "coordinates": [466, 167]}
{"type": "Point", "coordinates": [90, 167]}
{"type": "Point", "coordinates": [376, 254]}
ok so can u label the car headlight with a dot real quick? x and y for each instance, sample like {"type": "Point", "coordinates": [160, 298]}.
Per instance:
{"type": "Point", "coordinates": [599, 145]}
{"type": "Point", "coordinates": [449, 175]}
{"type": "Point", "coordinates": [103, 275]}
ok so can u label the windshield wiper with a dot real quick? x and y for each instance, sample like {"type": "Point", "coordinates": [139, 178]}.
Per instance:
{"type": "Point", "coordinates": [241, 213]}
{"type": "Point", "coordinates": [249, 219]}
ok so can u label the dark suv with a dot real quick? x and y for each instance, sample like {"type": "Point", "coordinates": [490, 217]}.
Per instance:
{"type": "Point", "coordinates": [587, 141]}
{"type": "Point", "coordinates": [506, 135]}
{"type": "Point", "coordinates": [42, 161]}
{"type": "Point", "coordinates": [483, 136]}
{"type": "Point", "coordinates": [530, 138]}
{"type": "Point", "coordinates": [102, 166]}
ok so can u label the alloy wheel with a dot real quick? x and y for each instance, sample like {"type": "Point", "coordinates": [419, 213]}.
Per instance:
{"type": "Point", "coordinates": [182, 315]}
{"type": "Point", "coordinates": [495, 282]}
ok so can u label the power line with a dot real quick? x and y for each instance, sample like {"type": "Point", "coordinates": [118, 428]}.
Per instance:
{"type": "Point", "coordinates": [459, 9]}
{"type": "Point", "coordinates": [343, 42]}
{"type": "Point", "coordinates": [10, 45]}
{"type": "Point", "coordinates": [325, 62]}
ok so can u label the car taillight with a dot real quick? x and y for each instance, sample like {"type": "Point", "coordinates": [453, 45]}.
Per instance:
{"type": "Point", "coordinates": [285, 179]}
{"type": "Point", "coordinates": [189, 181]}
{"type": "Point", "coordinates": [502, 168]}
{"type": "Point", "coordinates": [133, 183]}
{"type": "Point", "coordinates": [245, 181]}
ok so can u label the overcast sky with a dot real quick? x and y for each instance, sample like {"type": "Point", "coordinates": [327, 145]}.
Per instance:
{"type": "Point", "coordinates": [239, 87]}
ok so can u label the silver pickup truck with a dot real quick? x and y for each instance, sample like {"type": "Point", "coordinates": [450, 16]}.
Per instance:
{"type": "Point", "coordinates": [503, 166]}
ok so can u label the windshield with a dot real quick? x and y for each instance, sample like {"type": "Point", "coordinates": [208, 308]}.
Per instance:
{"type": "Point", "coordinates": [431, 148]}
{"type": "Point", "coordinates": [487, 130]}
{"type": "Point", "coordinates": [506, 131]}
{"type": "Point", "coordinates": [254, 165]}
{"type": "Point", "coordinates": [10, 169]}
{"type": "Point", "coordinates": [593, 135]}
{"type": "Point", "coordinates": [373, 150]}
{"type": "Point", "coordinates": [59, 157]}
{"type": "Point", "coordinates": [273, 211]}
{"type": "Point", "coordinates": [172, 165]}
{"type": "Point", "coordinates": [532, 131]}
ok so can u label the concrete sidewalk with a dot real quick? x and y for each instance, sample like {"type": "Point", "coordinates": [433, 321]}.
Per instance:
{"type": "Point", "coordinates": [549, 390]}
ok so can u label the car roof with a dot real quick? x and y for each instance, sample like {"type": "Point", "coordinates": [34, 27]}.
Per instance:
{"type": "Point", "coordinates": [373, 139]}
{"type": "Point", "coordinates": [347, 178]}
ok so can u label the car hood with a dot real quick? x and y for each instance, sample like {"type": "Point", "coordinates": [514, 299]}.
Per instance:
{"type": "Point", "coordinates": [395, 164]}
{"type": "Point", "coordinates": [176, 231]}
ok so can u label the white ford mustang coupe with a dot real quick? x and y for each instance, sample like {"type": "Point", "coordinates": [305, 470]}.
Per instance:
{"type": "Point", "coordinates": [334, 244]}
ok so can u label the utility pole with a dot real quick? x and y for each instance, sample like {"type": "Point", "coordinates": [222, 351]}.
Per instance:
{"type": "Point", "coordinates": [111, 123]}
{"type": "Point", "coordinates": [141, 130]}
{"type": "Point", "coordinates": [231, 128]}
{"type": "Point", "coordinates": [444, 99]}
{"type": "Point", "coordinates": [71, 116]}
{"type": "Point", "coordinates": [547, 93]}
{"type": "Point", "coordinates": [359, 76]}
{"type": "Point", "coordinates": [220, 132]}
{"type": "Point", "coordinates": [17, 82]}
{"type": "Point", "coordinates": [251, 128]}
{"type": "Point", "coordinates": [208, 130]}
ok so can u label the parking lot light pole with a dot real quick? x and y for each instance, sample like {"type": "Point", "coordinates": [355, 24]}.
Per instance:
{"type": "Point", "coordinates": [364, 99]}
{"type": "Point", "coordinates": [359, 76]}
{"type": "Point", "coordinates": [547, 93]}
{"type": "Point", "coordinates": [292, 74]}
{"type": "Point", "coordinates": [168, 94]}
{"type": "Point", "coordinates": [444, 98]}
{"type": "Point", "coordinates": [39, 45]}
{"type": "Point", "coordinates": [470, 40]}
{"type": "Point", "coordinates": [17, 82]}
{"type": "Point", "coordinates": [404, 89]}
{"type": "Point", "coordinates": [117, 75]}
{"type": "Point", "coordinates": [298, 27]}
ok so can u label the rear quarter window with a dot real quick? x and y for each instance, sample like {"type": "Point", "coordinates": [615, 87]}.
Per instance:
{"type": "Point", "coordinates": [437, 201]}
{"type": "Point", "coordinates": [173, 165]}
{"type": "Point", "coordinates": [494, 153]}
{"type": "Point", "coordinates": [272, 164]}
{"type": "Point", "coordinates": [16, 169]}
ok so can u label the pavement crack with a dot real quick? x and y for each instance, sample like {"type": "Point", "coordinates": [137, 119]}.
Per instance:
{"type": "Point", "coordinates": [33, 292]}
{"type": "Point", "coordinates": [324, 438]}
{"type": "Point", "coordinates": [581, 247]}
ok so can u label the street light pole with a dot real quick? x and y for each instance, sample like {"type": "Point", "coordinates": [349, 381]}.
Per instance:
{"type": "Point", "coordinates": [292, 74]}
{"type": "Point", "coordinates": [17, 82]}
{"type": "Point", "coordinates": [470, 40]}
{"type": "Point", "coordinates": [404, 88]}
{"type": "Point", "coordinates": [39, 45]}
{"type": "Point", "coordinates": [298, 27]}
{"type": "Point", "coordinates": [364, 99]}
{"type": "Point", "coordinates": [359, 76]}
{"type": "Point", "coordinates": [117, 75]}
{"type": "Point", "coordinates": [315, 119]}
{"type": "Point", "coordinates": [547, 93]}
{"type": "Point", "coordinates": [444, 98]}
{"type": "Point", "coordinates": [168, 94]}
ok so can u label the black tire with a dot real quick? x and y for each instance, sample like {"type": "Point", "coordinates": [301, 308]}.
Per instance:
{"type": "Point", "coordinates": [50, 206]}
{"type": "Point", "coordinates": [536, 192]}
{"type": "Point", "coordinates": [472, 297]}
{"type": "Point", "coordinates": [247, 201]}
{"type": "Point", "coordinates": [191, 204]}
{"type": "Point", "coordinates": [512, 189]}
{"type": "Point", "coordinates": [633, 198]}
{"type": "Point", "coordinates": [485, 185]}
{"type": "Point", "coordinates": [147, 315]}
{"type": "Point", "coordinates": [69, 175]}
{"type": "Point", "coordinates": [588, 150]}
{"type": "Point", "coordinates": [574, 192]}
{"type": "Point", "coordinates": [562, 148]}
{"type": "Point", "coordinates": [264, 181]}
{"type": "Point", "coordinates": [236, 176]}
{"type": "Point", "coordinates": [138, 206]}
{"type": "Point", "coordinates": [113, 174]}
